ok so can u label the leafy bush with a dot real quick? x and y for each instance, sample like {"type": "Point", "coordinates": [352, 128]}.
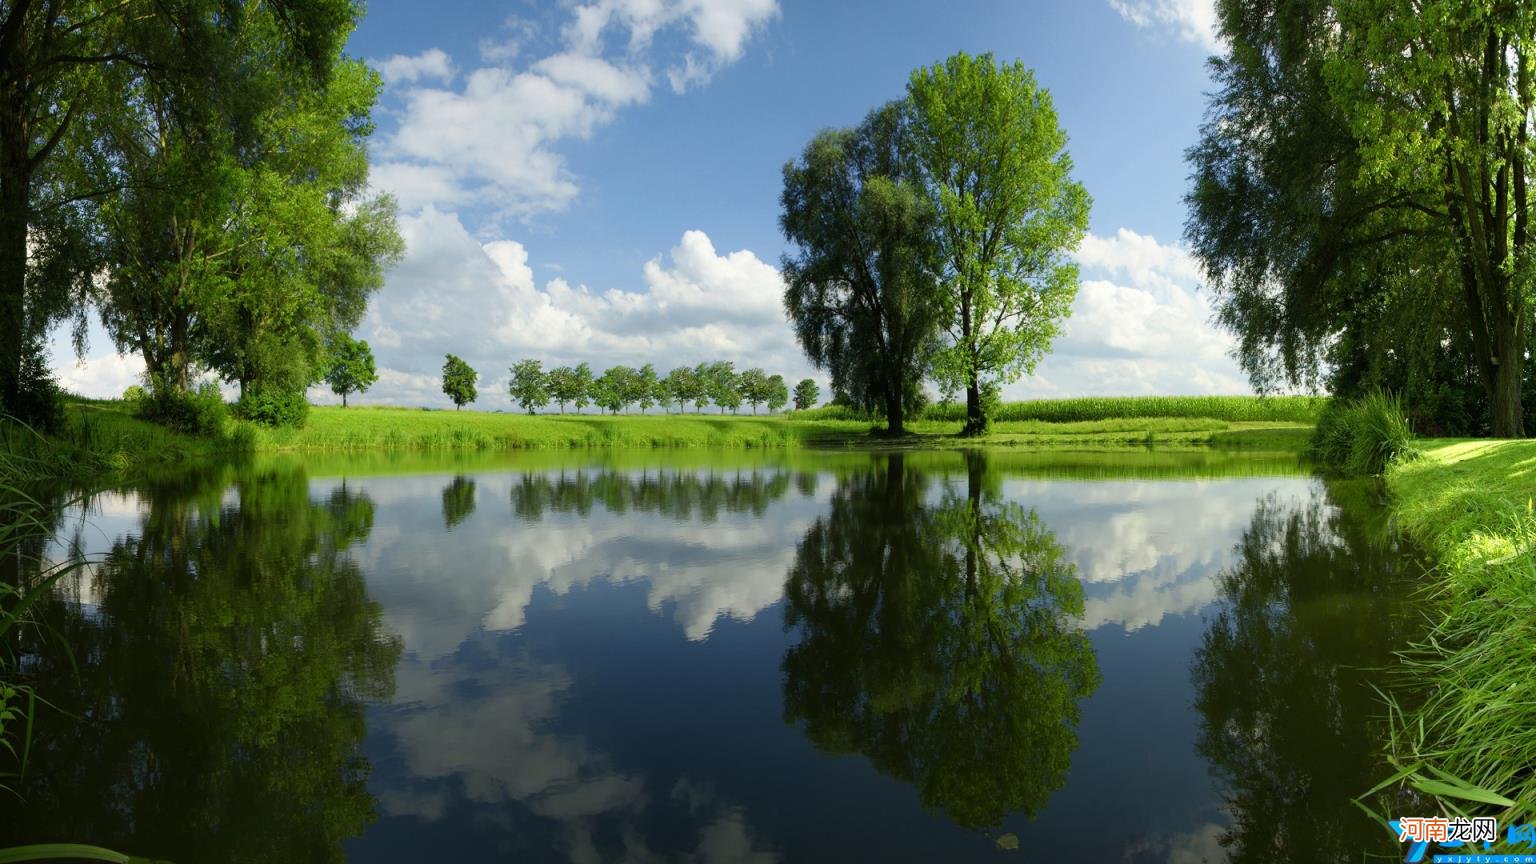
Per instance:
{"type": "Point", "coordinates": [275, 406]}
{"type": "Point", "coordinates": [197, 412]}
{"type": "Point", "coordinates": [1363, 436]}
{"type": "Point", "coordinates": [135, 394]}
{"type": "Point", "coordinates": [38, 402]}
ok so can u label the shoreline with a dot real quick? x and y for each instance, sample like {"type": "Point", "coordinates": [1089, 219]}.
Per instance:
{"type": "Point", "coordinates": [1468, 504]}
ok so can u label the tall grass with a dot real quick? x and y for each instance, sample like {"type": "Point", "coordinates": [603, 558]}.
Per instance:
{"type": "Point", "coordinates": [1463, 707]}
{"type": "Point", "coordinates": [1365, 436]}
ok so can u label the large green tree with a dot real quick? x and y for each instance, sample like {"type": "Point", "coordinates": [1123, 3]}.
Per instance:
{"type": "Point", "coordinates": [1361, 191]}
{"type": "Point", "coordinates": [72, 74]}
{"type": "Point", "coordinates": [861, 284]}
{"type": "Point", "coordinates": [241, 240]}
{"type": "Point", "coordinates": [992, 155]}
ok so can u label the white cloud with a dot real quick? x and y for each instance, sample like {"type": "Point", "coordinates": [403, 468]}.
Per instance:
{"type": "Point", "coordinates": [434, 64]}
{"type": "Point", "coordinates": [101, 376]}
{"type": "Point", "coordinates": [480, 300]}
{"type": "Point", "coordinates": [495, 140]}
{"type": "Point", "coordinates": [1139, 326]}
{"type": "Point", "coordinates": [1192, 20]}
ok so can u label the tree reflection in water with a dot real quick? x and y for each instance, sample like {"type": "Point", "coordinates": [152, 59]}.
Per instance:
{"type": "Point", "coordinates": [458, 501]}
{"type": "Point", "coordinates": [1312, 610]}
{"type": "Point", "coordinates": [940, 640]}
{"type": "Point", "coordinates": [676, 494]}
{"type": "Point", "coordinates": [224, 655]}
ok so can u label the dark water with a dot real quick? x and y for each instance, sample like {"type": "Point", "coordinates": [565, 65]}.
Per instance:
{"type": "Point", "coordinates": [718, 658]}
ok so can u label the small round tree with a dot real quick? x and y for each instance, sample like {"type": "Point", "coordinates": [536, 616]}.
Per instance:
{"type": "Point", "coordinates": [459, 381]}
{"type": "Point", "coordinates": [352, 369]}
{"type": "Point", "coordinates": [807, 394]}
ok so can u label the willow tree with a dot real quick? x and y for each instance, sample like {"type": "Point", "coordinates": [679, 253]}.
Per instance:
{"type": "Point", "coordinates": [988, 149]}
{"type": "Point", "coordinates": [59, 60]}
{"type": "Point", "coordinates": [862, 285]}
{"type": "Point", "coordinates": [1364, 156]}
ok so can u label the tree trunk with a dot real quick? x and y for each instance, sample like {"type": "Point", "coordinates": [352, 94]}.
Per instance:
{"type": "Point", "coordinates": [895, 411]}
{"type": "Point", "coordinates": [975, 420]}
{"type": "Point", "coordinates": [1508, 367]}
{"type": "Point", "coordinates": [343, 400]}
{"type": "Point", "coordinates": [15, 191]}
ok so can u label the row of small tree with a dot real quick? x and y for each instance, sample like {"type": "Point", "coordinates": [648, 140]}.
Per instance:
{"type": "Point", "coordinates": [620, 388]}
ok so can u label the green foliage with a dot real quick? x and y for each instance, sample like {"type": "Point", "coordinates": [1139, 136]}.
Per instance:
{"type": "Point", "coordinates": [685, 384]}
{"type": "Point", "coordinates": [807, 394]}
{"type": "Point", "coordinates": [723, 385]}
{"type": "Point", "coordinates": [36, 397]}
{"type": "Point", "coordinates": [777, 394]}
{"type": "Point", "coordinates": [529, 386]}
{"type": "Point", "coordinates": [271, 405]}
{"type": "Point", "coordinates": [459, 381]}
{"type": "Point", "coordinates": [1359, 199]}
{"type": "Point", "coordinates": [860, 284]}
{"type": "Point", "coordinates": [753, 386]}
{"type": "Point", "coordinates": [991, 155]}
{"type": "Point", "coordinates": [581, 386]}
{"type": "Point", "coordinates": [565, 386]}
{"type": "Point", "coordinates": [133, 394]}
{"type": "Point", "coordinates": [351, 366]}
{"type": "Point", "coordinates": [647, 387]}
{"type": "Point", "coordinates": [1365, 436]}
{"type": "Point", "coordinates": [236, 230]}
{"type": "Point", "coordinates": [199, 412]}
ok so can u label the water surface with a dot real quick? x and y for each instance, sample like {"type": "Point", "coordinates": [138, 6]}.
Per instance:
{"type": "Point", "coordinates": [713, 657]}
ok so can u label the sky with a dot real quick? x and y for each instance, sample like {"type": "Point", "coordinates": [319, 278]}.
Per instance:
{"type": "Point", "coordinates": [597, 180]}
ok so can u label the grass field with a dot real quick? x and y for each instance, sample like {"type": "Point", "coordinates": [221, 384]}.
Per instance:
{"type": "Point", "coordinates": [103, 436]}
{"type": "Point", "coordinates": [1473, 682]}
{"type": "Point", "coordinates": [400, 428]}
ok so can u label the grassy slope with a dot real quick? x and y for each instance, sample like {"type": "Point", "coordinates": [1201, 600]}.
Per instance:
{"type": "Point", "coordinates": [1469, 504]}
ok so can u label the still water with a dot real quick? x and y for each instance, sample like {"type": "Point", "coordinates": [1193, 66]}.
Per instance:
{"type": "Point", "coordinates": [712, 657]}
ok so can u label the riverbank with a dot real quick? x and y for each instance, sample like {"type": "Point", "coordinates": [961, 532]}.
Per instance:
{"type": "Point", "coordinates": [1469, 504]}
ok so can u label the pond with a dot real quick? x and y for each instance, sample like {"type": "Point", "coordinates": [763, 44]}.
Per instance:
{"type": "Point", "coordinates": [707, 657]}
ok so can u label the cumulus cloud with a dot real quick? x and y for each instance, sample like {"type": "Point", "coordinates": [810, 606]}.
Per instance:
{"type": "Point", "coordinates": [1139, 326]}
{"type": "Point", "coordinates": [434, 64]}
{"type": "Point", "coordinates": [1191, 20]}
{"type": "Point", "coordinates": [481, 300]}
{"type": "Point", "coordinates": [495, 140]}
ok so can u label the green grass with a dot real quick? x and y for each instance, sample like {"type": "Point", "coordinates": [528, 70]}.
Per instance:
{"type": "Point", "coordinates": [104, 437]}
{"type": "Point", "coordinates": [101, 437]}
{"type": "Point", "coordinates": [355, 428]}
{"type": "Point", "coordinates": [1464, 715]}
{"type": "Point", "coordinates": [1290, 409]}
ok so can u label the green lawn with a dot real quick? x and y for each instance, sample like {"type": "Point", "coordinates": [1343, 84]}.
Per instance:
{"type": "Point", "coordinates": [1470, 690]}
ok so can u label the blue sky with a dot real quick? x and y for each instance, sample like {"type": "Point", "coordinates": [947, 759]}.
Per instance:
{"type": "Point", "coordinates": [598, 181]}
